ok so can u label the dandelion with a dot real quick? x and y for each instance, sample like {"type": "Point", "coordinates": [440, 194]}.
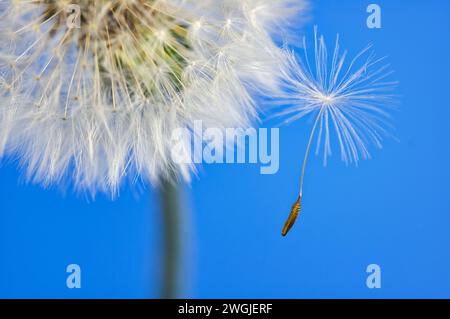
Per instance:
{"type": "Point", "coordinates": [350, 100]}
{"type": "Point", "coordinates": [93, 95]}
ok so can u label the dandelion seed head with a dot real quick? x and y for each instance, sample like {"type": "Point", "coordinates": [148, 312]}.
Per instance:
{"type": "Point", "coordinates": [93, 96]}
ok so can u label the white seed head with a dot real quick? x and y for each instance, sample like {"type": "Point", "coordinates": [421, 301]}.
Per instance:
{"type": "Point", "coordinates": [93, 95]}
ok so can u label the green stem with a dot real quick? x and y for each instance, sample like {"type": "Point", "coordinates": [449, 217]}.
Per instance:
{"type": "Point", "coordinates": [170, 207]}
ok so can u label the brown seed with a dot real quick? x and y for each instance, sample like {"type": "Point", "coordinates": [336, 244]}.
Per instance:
{"type": "Point", "coordinates": [295, 211]}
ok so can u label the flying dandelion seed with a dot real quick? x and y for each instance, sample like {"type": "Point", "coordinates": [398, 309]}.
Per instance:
{"type": "Point", "coordinates": [96, 102]}
{"type": "Point", "coordinates": [350, 100]}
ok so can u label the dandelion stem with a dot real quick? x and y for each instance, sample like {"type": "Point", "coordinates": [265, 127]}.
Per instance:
{"type": "Point", "coordinates": [170, 207]}
{"type": "Point", "coordinates": [295, 210]}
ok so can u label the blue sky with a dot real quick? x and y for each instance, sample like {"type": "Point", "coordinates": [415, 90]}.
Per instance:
{"type": "Point", "coordinates": [393, 210]}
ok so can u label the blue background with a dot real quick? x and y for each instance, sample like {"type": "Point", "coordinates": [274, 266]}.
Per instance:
{"type": "Point", "coordinates": [393, 210]}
